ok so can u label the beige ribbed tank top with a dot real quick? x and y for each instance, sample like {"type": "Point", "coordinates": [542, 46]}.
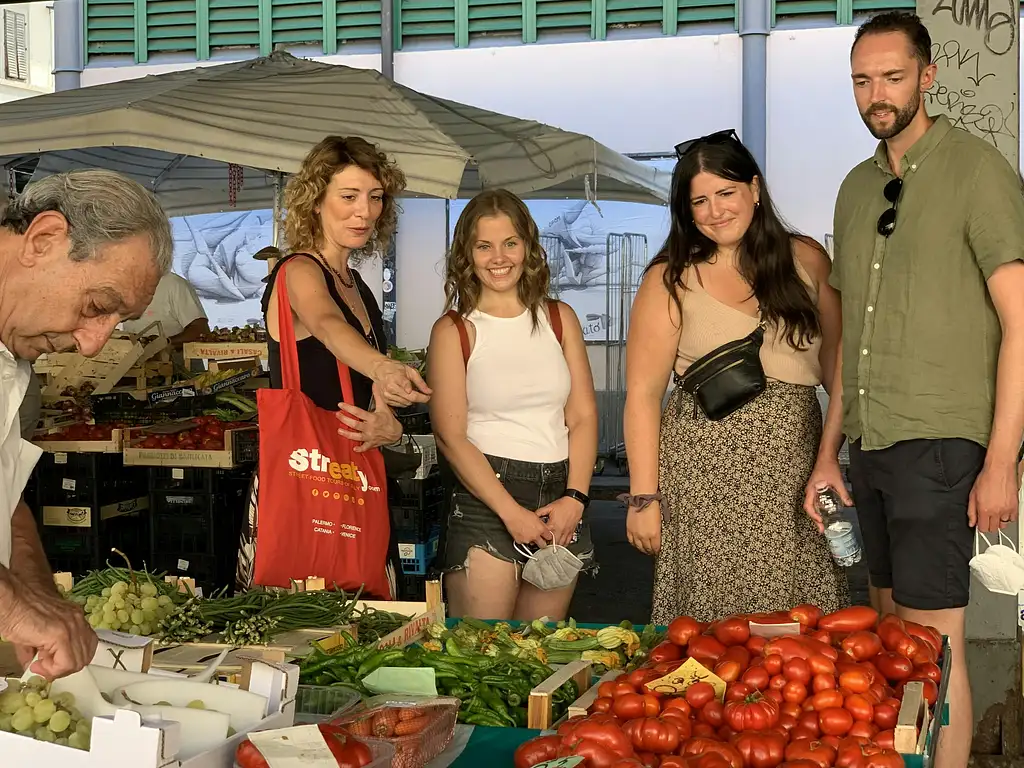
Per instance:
{"type": "Point", "coordinates": [707, 323]}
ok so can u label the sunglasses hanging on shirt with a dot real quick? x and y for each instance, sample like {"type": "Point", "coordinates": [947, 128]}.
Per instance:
{"type": "Point", "coordinates": [887, 221]}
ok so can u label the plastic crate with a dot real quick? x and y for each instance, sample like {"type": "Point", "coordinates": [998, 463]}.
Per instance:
{"type": "Point", "coordinates": [412, 588]}
{"type": "Point", "coordinates": [198, 479]}
{"type": "Point", "coordinates": [319, 703]}
{"type": "Point", "coordinates": [420, 494]}
{"type": "Point", "coordinates": [85, 544]}
{"type": "Point", "coordinates": [86, 480]}
{"type": "Point", "coordinates": [414, 421]}
{"type": "Point", "coordinates": [413, 524]}
{"type": "Point", "coordinates": [418, 556]}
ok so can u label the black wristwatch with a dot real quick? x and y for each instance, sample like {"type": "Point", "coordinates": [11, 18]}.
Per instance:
{"type": "Point", "coordinates": [582, 498]}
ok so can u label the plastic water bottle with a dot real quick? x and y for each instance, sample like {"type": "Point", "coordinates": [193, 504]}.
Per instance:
{"type": "Point", "coordinates": [842, 538]}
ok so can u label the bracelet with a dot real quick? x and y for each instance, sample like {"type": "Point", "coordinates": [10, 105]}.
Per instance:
{"type": "Point", "coordinates": [639, 500]}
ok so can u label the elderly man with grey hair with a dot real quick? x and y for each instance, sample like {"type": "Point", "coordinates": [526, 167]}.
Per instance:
{"type": "Point", "coordinates": [79, 253]}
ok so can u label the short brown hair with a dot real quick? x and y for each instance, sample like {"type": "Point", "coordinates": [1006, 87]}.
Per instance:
{"type": "Point", "coordinates": [909, 24]}
{"type": "Point", "coordinates": [462, 286]}
{"type": "Point", "coordinates": [305, 190]}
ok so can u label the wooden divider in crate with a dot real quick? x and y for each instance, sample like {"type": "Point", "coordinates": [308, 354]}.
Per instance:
{"type": "Point", "coordinates": [540, 709]}
{"type": "Point", "coordinates": [225, 458]}
{"type": "Point", "coordinates": [119, 356]}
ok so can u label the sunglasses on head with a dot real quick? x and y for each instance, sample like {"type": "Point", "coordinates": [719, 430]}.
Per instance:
{"type": "Point", "coordinates": [718, 137]}
{"type": "Point", "coordinates": [887, 221]}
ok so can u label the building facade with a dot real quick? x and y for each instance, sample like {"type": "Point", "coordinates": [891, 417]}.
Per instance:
{"type": "Point", "coordinates": [26, 50]}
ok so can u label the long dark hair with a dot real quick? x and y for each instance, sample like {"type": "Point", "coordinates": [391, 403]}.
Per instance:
{"type": "Point", "coordinates": [765, 253]}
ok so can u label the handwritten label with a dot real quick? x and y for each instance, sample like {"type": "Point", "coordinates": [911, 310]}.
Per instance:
{"type": "Point", "coordinates": [561, 762]}
{"type": "Point", "coordinates": [302, 746]}
{"type": "Point", "coordinates": [976, 49]}
{"type": "Point", "coordinates": [686, 675]}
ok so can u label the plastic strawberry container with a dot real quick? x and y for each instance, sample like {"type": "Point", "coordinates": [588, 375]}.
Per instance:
{"type": "Point", "coordinates": [418, 727]}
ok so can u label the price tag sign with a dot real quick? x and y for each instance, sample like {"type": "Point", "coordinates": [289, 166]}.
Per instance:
{"type": "Point", "coordinates": [561, 762]}
{"type": "Point", "coordinates": [686, 675]}
{"type": "Point", "coordinates": [769, 631]}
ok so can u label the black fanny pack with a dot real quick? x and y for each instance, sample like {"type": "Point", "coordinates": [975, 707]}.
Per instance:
{"type": "Point", "coordinates": [726, 378]}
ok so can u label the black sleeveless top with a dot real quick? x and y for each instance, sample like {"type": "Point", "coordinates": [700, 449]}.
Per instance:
{"type": "Point", "coordinates": [318, 367]}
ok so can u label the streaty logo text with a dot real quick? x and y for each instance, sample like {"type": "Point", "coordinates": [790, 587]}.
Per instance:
{"type": "Point", "coordinates": [312, 460]}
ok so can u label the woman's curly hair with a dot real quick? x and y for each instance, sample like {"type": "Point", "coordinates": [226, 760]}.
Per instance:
{"type": "Point", "coordinates": [305, 191]}
{"type": "Point", "coordinates": [462, 286]}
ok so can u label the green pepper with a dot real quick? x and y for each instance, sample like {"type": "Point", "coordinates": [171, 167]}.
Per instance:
{"type": "Point", "coordinates": [377, 660]}
{"type": "Point", "coordinates": [519, 714]}
{"type": "Point", "coordinates": [513, 699]}
{"type": "Point", "coordinates": [494, 702]}
{"type": "Point", "coordinates": [459, 691]}
{"type": "Point", "coordinates": [486, 718]}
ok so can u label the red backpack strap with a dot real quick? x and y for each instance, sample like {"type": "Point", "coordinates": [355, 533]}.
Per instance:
{"type": "Point", "coordinates": [555, 318]}
{"type": "Point", "coordinates": [460, 325]}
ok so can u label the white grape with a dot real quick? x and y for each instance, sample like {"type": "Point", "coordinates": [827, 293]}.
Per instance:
{"type": "Point", "coordinates": [95, 620]}
{"type": "Point", "coordinates": [150, 603]}
{"type": "Point", "coordinates": [105, 592]}
{"type": "Point", "coordinates": [32, 698]}
{"type": "Point", "coordinates": [78, 740]}
{"type": "Point", "coordinates": [164, 600]}
{"type": "Point", "coordinates": [123, 616]}
{"type": "Point", "coordinates": [60, 721]}
{"type": "Point", "coordinates": [44, 710]}
{"type": "Point", "coordinates": [23, 719]}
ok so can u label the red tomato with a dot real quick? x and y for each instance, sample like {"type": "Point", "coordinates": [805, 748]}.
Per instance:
{"type": "Point", "coordinates": [859, 707]}
{"type": "Point", "coordinates": [606, 689]}
{"type": "Point", "coordinates": [729, 671]}
{"type": "Point", "coordinates": [826, 700]}
{"type": "Point", "coordinates": [638, 678]}
{"type": "Point", "coordinates": [705, 647]}
{"type": "Point", "coordinates": [666, 651]}
{"type": "Point", "coordinates": [608, 735]}
{"type": "Point", "coordinates": [894, 666]}
{"type": "Point", "coordinates": [652, 734]}
{"type": "Point", "coordinates": [863, 729]}
{"type": "Point", "coordinates": [886, 716]}
{"type": "Point", "coordinates": [809, 721]}
{"type": "Point", "coordinates": [928, 671]}
{"type": "Point", "coordinates": [682, 630]}
{"type": "Point", "coordinates": [794, 692]}
{"type": "Point", "coordinates": [855, 680]}
{"type": "Point", "coordinates": [861, 646]}
{"type": "Point", "coordinates": [756, 644]}
{"type": "Point", "coordinates": [756, 677]}
{"type": "Point", "coordinates": [790, 708]}
{"type": "Point", "coordinates": [797, 669]}
{"type": "Point", "coordinates": [676, 703]}
{"type": "Point", "coordinates": [895, 639]}
{"type": "Point", "coordinates": [775, 694]}
{"type": "Point", "coordinates": [703, 731]}
{"type": "Point", "coordinates": [835, 721]}
{"type": "Point", "coordinates": [760, 749]}
{"type": "Point", "coordinates": [885, 739]}
{"type": "Point", "coordinates": [712, 713]}
{"type": "Point", "coordinates": [856, 618]}
{"type": "Point", "coordinates": [595, 754]}
{"type": "Point", "coordinates": [807, 615]}
{"type": "Point", "coordinates": [773, 663]}
{"type": "Point", "coordinates": [777, 683]}
{"type": "Point", "coordinates": [633, 705]}
{"type": "Point", "coordinates": [817, 752]}
{"type": "Point", "coordinates": [734, 630]}
{"type": "Point", "coordinates": [699, 694]}
{"type": "Point", "coordinates": [682, 722]}
{"type": "Point", "coordinates": [877, 757]}
{"type": "Point", "coordinates": [823, 683]}
{"type": "Point", "coordinates": [926, 635]}
{"type": "Point", "coordinates": [738, 691]}
{"type": "Point", "coordinates": [602, 704]}
{"type": "Point", "coordinates": [821, 665]}
{"type": "Point", "coordinates": [754, 713]}
{"type": "Point", "coordinates": [703, 746]}
{"type": "Point", "coordinates": [538, 750]}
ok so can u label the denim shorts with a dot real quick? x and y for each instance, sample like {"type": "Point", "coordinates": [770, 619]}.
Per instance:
{"type": "Point", "coordinates": [471, 523]}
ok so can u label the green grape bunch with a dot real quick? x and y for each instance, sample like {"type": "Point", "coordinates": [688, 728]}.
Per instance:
{"type": "Point", "coordinates": [28, 709]}
{"type": "Point", "coordinates": [136, 608]}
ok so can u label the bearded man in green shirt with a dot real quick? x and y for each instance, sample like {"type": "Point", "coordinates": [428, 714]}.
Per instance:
{"type": "Point", "coordinates": [929, 237]}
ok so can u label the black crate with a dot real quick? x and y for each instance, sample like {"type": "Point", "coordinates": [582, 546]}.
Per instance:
{"type": "Point", "coordinates": [420, 494]}
{"type": "Point", "coordinates": [412, 588]}
{"type": "Point", "coordinates": [196, 534]}
{"type": "Point", "coordinates": [414, 524]}
{"type": "Point", "coordinates": [123, 407]}
{"type": "Point", "coordinates": [87, 480]}
{"type": "Point", "coordinates": [246, 445]}
{"type": "Point", "coordinates": [79, 539]}
{"type": "Point", "coordinates": [198, 479]}
{"type": "Point", "coordinates": [415, 420]}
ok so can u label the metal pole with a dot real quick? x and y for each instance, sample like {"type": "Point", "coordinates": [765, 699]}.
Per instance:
{"type": "Point", "coordinates": [68, 55]}
{"type": "Point", "coordinates": [754, 28]}
{"type": "Point", "coordinates": [387, 39]}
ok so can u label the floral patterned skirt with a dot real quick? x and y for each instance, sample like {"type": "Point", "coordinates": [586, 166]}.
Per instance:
{"type": "Point", "coordinates": [737, 539]}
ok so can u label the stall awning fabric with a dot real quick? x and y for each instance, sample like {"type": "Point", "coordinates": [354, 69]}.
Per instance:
{"type": "Point", "coordinates": [177, 132]}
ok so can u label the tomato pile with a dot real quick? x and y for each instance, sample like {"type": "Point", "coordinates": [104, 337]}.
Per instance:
{"type": "Point", "coordinates": [828, 697]}
{"type": "Point", "coordinates": [207, 435]}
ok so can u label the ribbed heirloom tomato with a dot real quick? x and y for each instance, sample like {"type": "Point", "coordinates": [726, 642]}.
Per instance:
{"type": "Point", "coordinates": [760, 749]}
{"type": "Point", "coordinates": [816, 751]}
{"type": "Point", "coordinates": [752, 713]}
{"type": "Point", "coordinates": [632, 705]}
{"type": "Point", "coordinates": [652, 734]}
{"type": "Point", "coordinates": [698, 746]}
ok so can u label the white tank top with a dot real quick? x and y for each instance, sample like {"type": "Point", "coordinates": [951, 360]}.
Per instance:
{"type": "Point", "coordinates": [517, 384]}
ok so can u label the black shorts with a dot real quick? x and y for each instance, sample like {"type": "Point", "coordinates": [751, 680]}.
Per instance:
{"type": "Point", "coordinates": [911, 500]}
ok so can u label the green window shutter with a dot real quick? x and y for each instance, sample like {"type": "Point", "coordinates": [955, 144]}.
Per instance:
{"type": "Point", "coordinates": [495, 17]}
{"type": "Point", "coordinates": [563, 15]}
{"type": "Point", "coordinates": [109, 27]}
{"type": "Point", "coordinates": [234, 24]}
{"type": "Point", "coordinates": [426, 19]}
{"type": "Point", "coordinates": [628, 14]}
{"type": "Point", "coordinates": [296, 22]}
{"type": "Point", "coordinates": [358, 20]}
{"type": "Point", "coordinates": [782, 9]}
{"type": "Point", "coordinates": [866, 7]}
{"type": "Point", "coordinates": [701, 11]}
{"type": "Point", "coordinates": [170, 26]}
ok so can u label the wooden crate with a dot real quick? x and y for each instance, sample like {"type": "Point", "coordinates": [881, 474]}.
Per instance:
{"type": "Point", "coordinates": [579, 707]}
{"type": "Point", "coordinates": [540, 710]}
{"type": "Point", "coordinates": [221, 351]}
{"type": "Point", "coordinates": [119, 355]}
{"type": "Point", "coordinates": [164, 457]}
{"type": "Point", "coordinates": [113, 445]}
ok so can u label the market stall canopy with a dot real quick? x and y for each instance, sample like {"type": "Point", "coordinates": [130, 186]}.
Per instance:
{"type": "Point", "coordinates": [176, 132]}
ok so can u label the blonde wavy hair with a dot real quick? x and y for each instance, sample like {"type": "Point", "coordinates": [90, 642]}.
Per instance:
{"type": "Point", "coordinates": [462, 286]}
{"type": "Point", "coordinates": [305, 192]}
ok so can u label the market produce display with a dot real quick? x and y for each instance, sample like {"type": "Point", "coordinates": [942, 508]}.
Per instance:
{"type": "Point", "coordinates": [347, 751]}
{"type": "Point", "coordinates": [206, 434]}
{"type": "Point", "coordinates": [418, 728]}
{"type": "Point", "coordinates": [246, 334]}
{"type": "Point", "coordinates": [828, 696]}
{"type": "Point", "coordinates": [27, 709]}
{"type": "Point", "coordinates": [493, 690]}
{"type": "Point", "coordinates": [607, 647]}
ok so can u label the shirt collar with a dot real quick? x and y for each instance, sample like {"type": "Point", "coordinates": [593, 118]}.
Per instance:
{"type": "Point", "coordinates": [919, 150]}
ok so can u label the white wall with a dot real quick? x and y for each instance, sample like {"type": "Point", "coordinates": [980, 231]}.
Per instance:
{"type": "Point", "coordinates": [40, 52]}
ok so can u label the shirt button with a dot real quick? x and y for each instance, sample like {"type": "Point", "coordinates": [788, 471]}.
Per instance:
{"type": "Point", "coordinates": [863, 351]}
{"type": "Point", "coordinates": [862, 391]}
{"type": "Point", "coordinates": [870, 308]}
{"type": "Point", "coordinates": [875, 266]}
{"type": "Point", "coordinates": [913, 167]}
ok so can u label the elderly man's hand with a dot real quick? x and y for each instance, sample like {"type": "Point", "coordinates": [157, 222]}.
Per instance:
{"type": "Point", "coordinates": [40, 622]}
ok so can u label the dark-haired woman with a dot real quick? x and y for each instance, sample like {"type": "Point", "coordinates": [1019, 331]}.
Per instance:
{"type": "Point", "coordinates": [719, 502]}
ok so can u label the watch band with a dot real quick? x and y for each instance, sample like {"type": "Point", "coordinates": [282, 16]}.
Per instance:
{"type": "Point", "coordinates": [582, 498]}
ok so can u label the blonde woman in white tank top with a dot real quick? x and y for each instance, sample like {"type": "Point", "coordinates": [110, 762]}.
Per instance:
{"type": "Point", "coordinates": [514, 413]}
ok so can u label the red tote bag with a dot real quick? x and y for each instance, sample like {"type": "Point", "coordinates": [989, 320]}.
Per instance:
{"type": "Point", "coordinates": [323, 508]}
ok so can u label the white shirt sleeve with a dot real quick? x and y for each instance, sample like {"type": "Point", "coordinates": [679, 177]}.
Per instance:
{"type": "Point", "coordinates": [184, 303]}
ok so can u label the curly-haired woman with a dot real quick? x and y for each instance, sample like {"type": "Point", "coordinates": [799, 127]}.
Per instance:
{"type": "Point", "coordinates": [514, 414]}
{"type": "Point", "coordinates": [341, 207]}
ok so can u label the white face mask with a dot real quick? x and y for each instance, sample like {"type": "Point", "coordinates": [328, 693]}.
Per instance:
{"type": "Point", "coordinates": [1000, 568]}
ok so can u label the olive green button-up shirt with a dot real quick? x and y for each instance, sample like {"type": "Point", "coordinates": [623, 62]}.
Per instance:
{"type": "Point", "coordinates": [920, 335]}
